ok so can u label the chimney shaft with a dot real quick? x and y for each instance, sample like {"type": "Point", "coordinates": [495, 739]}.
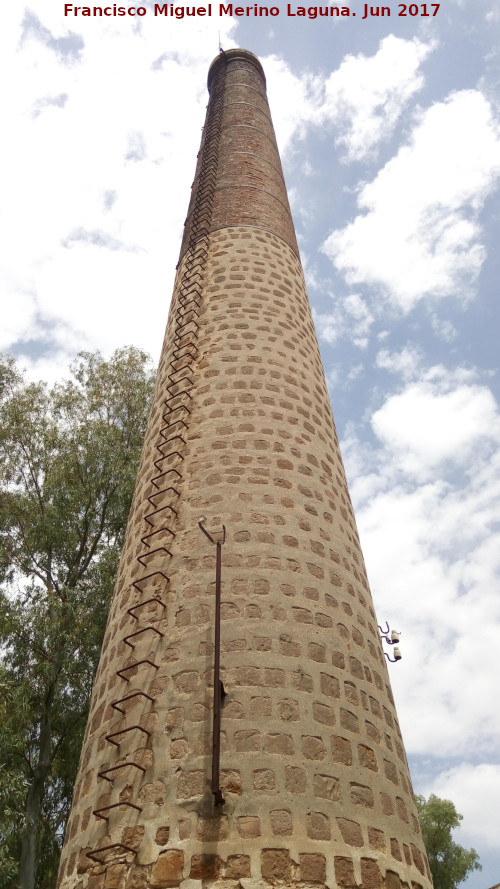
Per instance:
{"type": "Point", "coordinates": [312, 768]}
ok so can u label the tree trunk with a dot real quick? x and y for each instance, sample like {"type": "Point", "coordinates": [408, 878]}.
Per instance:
{"type": "Point", "coordinates": [34, 800]}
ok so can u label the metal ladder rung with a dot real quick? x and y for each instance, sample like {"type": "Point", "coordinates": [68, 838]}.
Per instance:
{"type": "Point", "coordinates": [155, 513]}
{"type": "Point", "coordinates": [138, 633]}
{"type": "Point", "coordinates": [163, 476]}
{"type": "Point", "coordinates": [124, 670]}
{"type": "Point", "coordinates": [174, 389]}
{"type": "Point", "coordinates": [123, 731]}
{"type": "Point", "coordinates": [97, 812]}
{"type": "Point", "coordinates": [133, 694]}
{"type": "Point", "coordinates": [92, 855]}
{"type": "Point", "coordinates": [137, 583]}
{"type": "Point", "coordinates": [123, 765]}
{"type": "Point", "coordinates": [140, 604]}
{"type": "Point", "coordinates": [148, 556]}
{"type": "Point", "coordinates": [166, 457]}
{"type": "Point", "coordinates": [159, 493]}
{"type": "Point", "coordinates": [144, 539]}
{"type": "Point", "coordinates": [173, 398]}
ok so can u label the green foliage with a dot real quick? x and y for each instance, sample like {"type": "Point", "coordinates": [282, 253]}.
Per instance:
{"type": "Point", "coordinates": [450, 863]}
{"type": "Point", "coordinates": [69, 458]}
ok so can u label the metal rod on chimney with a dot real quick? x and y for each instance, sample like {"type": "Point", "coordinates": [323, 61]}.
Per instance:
{"type": "Point", "coordinates": [218, 798]}
{"type": "Point", "coordinates": [218, 686]}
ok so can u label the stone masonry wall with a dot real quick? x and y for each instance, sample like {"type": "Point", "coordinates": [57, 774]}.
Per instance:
{"type": "Point", "coordinates": [313, 767]}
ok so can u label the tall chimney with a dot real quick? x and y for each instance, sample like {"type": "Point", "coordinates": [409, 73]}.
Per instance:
{"type": "Point", "coordinates": [293, 772]}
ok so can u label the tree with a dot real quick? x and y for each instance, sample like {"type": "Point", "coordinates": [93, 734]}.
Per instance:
{"type": "Point", "coordinates": [68, 460]}
{"type": "Point", "coordinates": [450, 863]}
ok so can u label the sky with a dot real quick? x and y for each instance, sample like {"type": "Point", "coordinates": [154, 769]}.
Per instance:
{"type": "Point", "coordinates": [389, 131]}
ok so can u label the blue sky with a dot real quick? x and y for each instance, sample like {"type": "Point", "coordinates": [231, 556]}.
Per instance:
{"type": "Point", "coordinates": [389, 129]}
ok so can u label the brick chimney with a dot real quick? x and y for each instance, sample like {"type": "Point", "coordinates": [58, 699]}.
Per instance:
{"type": "Point", "coordinates": [307, 783]}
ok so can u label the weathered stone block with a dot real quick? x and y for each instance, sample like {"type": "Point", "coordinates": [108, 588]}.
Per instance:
{"type": "Point", "coordinates": [264, 779]}
{"type": "Point", "coordinates": [168, 869]}
{"type": "Point", "coordinates": [302, 681]}
{"type": "Point", "coordinates": [295, 779]}
{"type": "Point", "coordinates": [237, 866]}
{"type": "Point", "coordinates": [392, 880]}
{"type": "Point", "coordinates": [373, 732]}
{"type": "Point", "coordinates": [115, 876]}
{"type": "Point", "coordinates": [247, 741]}
{"type": "Point", "coordinates": [313, 747]}
{"type": "Point", "coordinates": [132, 836]}
{"type": "Point", "coordinates": [330, 685]}
{"type": "Point", "coordinates": [213, 829]}
{"type": "Point", "coordinates": [274, 678]}
{"type": "Point", "coordinates": [260, 706]}
{"type": "Point", "coordinates": [395, 849]}
{"type": "Point", "coordinates": [84, 863]}
{"type": "Point", "coordinates": [288, 709]}
{"type": "Point", "coordinates": [175, 717]}
{"type": "Point", "coordinates": [205, 867]}
{"type": "Point", "coordinates": [401, 809]}
{"type": "Point", "coordinates": [312, 868]}
{"type": "Point", "coordinates": [262, 643]}
{"type": "Point", "coordinates": [162, 835]}
{"type": "Point", "coordinates": [187, 681]}
{"type": "Point", "coordinates": [326, 787]}
{"type": "Point", "coordinates": [248, 676]}
{"type": "Point", "coordinates": [281, 822]}
{"type": "Point", "coordinates": [351, 832]}
{"type": "Point", "coordinates": [230, 780]}
{"type": "Point", "coordinates": [367, 757]}
{"type": "Point", "coordinates": [317, 652]}
{"type": "Point", "coordinates": [279, 744]}
{"type": "Point", "coordinates": [138, 878]}
{"type": "Point", "coordinates": [376, 839]}
{"type": "Point", "coordinates": [387, 804]}
{"type": "Point", "coordinates": [153, 793]}
{"type": "Point", "coordinates": [233, 710]}
{"type": "Point", "coordinates": [371, 878]}
{"type": "Point", "coordinates": [349, 720]}
{"type": "Point", "coordinates": [351, 692]}
{"type": "Point", "coordinates": [191, 784]}
{"type": "Point", "coordinates": [344, 872]}
{"type": "Point", "coordinates": [318, 826]}
{"type": "Point", "coordinates": [324, 714]}
{"type": "Point", "coordinates": [276, 865]}
{"type": "Point", "coordinates": [302, 615]}
{"type": "Point", "coordinates": [391, 771]}
{"type": "Point", "coordinates": [341, 750]}
{"type": "Point", "coordinates": [361, 795]}
{"type": "Point", "coordinates": [248, 826]}
{"type": "Point", "coordinates": [418, 858]}
{"type": "Point", "coordinates": [179, 749]}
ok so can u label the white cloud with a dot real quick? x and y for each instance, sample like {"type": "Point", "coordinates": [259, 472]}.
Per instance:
{"type": "Point", "coordinates": [475, 790]}
{"type": "Point", "coordinates": [364, 98]}
{"type": "Point", "coordinates": [93, 221]}
{"type": "Point", "coordinates": [428, 424]}
{"type": "Point", "coordinates": [418, 234]}
{"type": "Point", "coordinates": [351, 318]}
{"type": "Point", "coordinates": [427, 501]}
{"type": "Point", "coordinates": [404, 363]}
{"type": "Point", "coordinates": [293, 100]}
{"type": "Point", "coordinates": [443, 328]}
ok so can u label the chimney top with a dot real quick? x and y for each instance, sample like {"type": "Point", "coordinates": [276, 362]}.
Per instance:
{"type": "Point", "coordinates": [232, 55]}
